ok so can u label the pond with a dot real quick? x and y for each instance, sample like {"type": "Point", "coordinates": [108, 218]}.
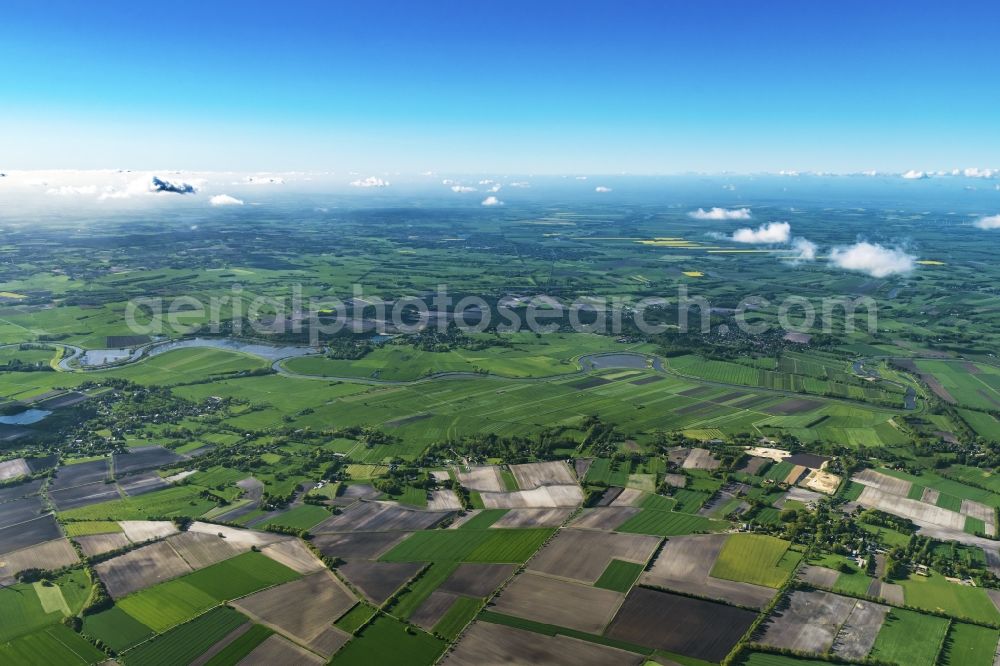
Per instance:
{"type": "Point", "coordinates": [618, 360]}
{"type": "Point", "coordinates": [27, 417]}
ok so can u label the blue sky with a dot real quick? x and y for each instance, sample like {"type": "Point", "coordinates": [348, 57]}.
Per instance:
{"type": "Point", "coordinates": [525, 87]}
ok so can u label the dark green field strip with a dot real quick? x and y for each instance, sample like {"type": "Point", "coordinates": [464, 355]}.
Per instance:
{"type": "Point", "coordinates": [388, 641]}
{"type": "Point", "coordinates": [482, 520]}
{"type": "Point", "coordinates": [460, 614]}
{"type": "Point", "coordinates": [619, 576]}
{"type": "Point", "coordinates": [116, 628]}
{"type": "Point", "coordinates": [244, 644]}
{"type": "Point", "coordinates": [670, 523]}
{"type": "Point", "coordinates": [57, 644]}
{"type": "Point", "coordinates": [553, 630]}
{"type": "Point", "coordinates": [355, 618]}
{"type": "Point", "coordinates": [416, 592]}
{"type": "Point", "coordinates": [185, 643]}
{"type": "Point", "coordinates": [514, 546]}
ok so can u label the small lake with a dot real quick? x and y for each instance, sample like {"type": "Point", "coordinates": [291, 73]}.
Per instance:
{"type": "Point", "coordinates": [27, 417]}
{"type": "Point", "coordinates": [265, 351]}
{"type": "Point", "coordinates": [618, 360]}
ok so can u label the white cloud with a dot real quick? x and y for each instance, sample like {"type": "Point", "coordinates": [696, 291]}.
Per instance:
{"type": "Point", "coordinates": [71, 190]}
{"type": "Point", "coordinates": [913, 174]}
{"type": "Point", "coordinates": [447, 181]}
{"type": "Point", "coordinates": [492, 201]}
{"type": "Point", "coordinates": [602, 188]}
{"type": "Point", "coordinates": [462, 188]}
{"type": "Point", "coordinates": [520, 183]}
{"type": "Point", "coordinates": [975, 172]}
{"type": "Point", "coordinates": [225, 200]}
{"type": "Point", "coordinates": [370, 181]}
{"type": "Point", "coordinates": [874, 259]}
{"type": "Point", "coordinates": [496, 187]}
{"type": "Point", "coordinates": [772, 232]}
{"type": "Point", "coordinates": [721, 214]}
{"type": "Point", "coordinates": [486, 181]}
{"type": "Point", "coordinates": [988, 222]}
{"type": "Point", "coordinates": [806, 249]}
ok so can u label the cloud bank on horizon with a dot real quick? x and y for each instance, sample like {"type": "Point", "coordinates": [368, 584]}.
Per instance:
{"type": "Point", "coordinates": [988, 222]}
{"type": "Point", "coordinates": [721, 214]}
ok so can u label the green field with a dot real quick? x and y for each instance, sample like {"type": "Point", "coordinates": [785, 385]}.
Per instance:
{"type": "Point", "coordinates": [179, 501]}
{"type": "Point", "coordinates": [168, 604]}
{"type": "Point", "coordinates": [935, 593]}
{"type": "Point", "coordinates": [670, 523]}
{"type": "Point", "coordinates": [619, 576]}
{"type": "Point", "coordinates": [757, 559]}
{"type": "Point", "coordinates": [388, 641]}
{"type": "Point", "coordinates": [91, 527]}
{"type": "Point", "coordinates": [355, 618]}
{"type": "Point", "coordinates": [471, 545]}
{"type": "Point", "coordinates": [116, 628]}
{"type": "Point", "coordinates": [244, 644]}
{"type": "Point", "coordinates": [969, 645]}
{"type": "Point", "coordinates": [909, 638]}
{"type": "Point", "coordinates": [301, 517]}
{"type": "Point", "coordinates": [56, 644]}
{"type": "Point", "coordinates": [27, 607]}
{"type": "Point", "coordinates": [979, 389]}
{"type": "Point", "coordinates": [422, 587]}
{"type": "Point", "coordinates": [462, 611]}
{"type": "Point", "coordinates": [185, 643]}
{"type": "Point", "coordinates": [483, 519]}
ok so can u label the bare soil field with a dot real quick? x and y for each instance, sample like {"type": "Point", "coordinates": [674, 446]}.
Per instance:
{"type": "Point", "coordinates": [583, 555]}
{"type": "Point", "coordinates": [78, 496]}
{"type": "Point", "coordinates": [857, 635]}
{"type": "Point", "coordinates": [482, 479]}
{"type": "Point", "coordinates": [279, 651]}
{"type": "Point", "coordinates": [141, 568]}
{"type": "Point", "coordinates": [142, 458]}
{"type": "Point", "coordinates": [443, 500]}
{"type": "Point", "coordinates": [518, 518]}
{"type": "Point", "coordinates": [684, 564]}
{"type": "Point", "coordinates": [609, 496]}
{"type": "Point", "coordinates": [430, 612]}
{"type": "Point", "coordinates": [543, 599]}
{"type": "Point", "coordinates": [98, 544]}
{"type": "Point", "coordinates": [675, 480]}
{"type": "Point", "coordinates": [915, 510]}
{"type": "Point", "coordinates": [807, 621]}
{"type": "Point", "coordinates": [753, 464]}
{"type": "Point", "coordinates": [364, 545]}
{"type": "Point", "coordinates": [146, 530]}
{"type": "Point", "coordinates": [627, 497]}
{"type": "Point", "coordinates": [244, 538]}
{"type": "Point", "coordinates": [977, 510]}
{"type": "Point", "coordinates": [302, 610]}
{"type": "Point", "coordinates": [11, 469]}
{"type": "Point", "coordinates": [29, 533]}
{"type": "Point", "coordinates": [700, 459]}
{"type": "Point", "coordinates": [295, 555]}
{"type": "Point", "coordinates": [691, 627]}
{"type": "Point", "coordinates": [930, 495]}
{"type": "Point", "coordinates": [818, 576]}
{"type": "Point", "coordinates": [140, 484]}
{"type": "Point", "coordinates": [487, 643]}
{"type": "Point", "coordinates": [49, 555]}
{"type": "Point", "coordinates": [476, 580]}
{"type": "Point", "coordinates": [604, 517]}
{"type": "Point", "coordinates": [200, 550]}
{"type": "Point", "coordinates": [795, 475]}
{"type": "Point", "coordinates": [378, 580]}
{"type": "Point", "coordinates": [884, 482]}
{"type": "Point", "coordinates": [20, 490]}
{"type": "Point", "coordinates": [21, 510]}
{"type": "Point", "coordinates": [810, 460]}
{"type": "Point", "coordinates": [79, 474]}
{"type": "Point", "coordinates": [581, 465]}
{"type": "Point", "coordinates": [533, 475]}
{"type": "Point", "coordinates": [822, 482]}
{"type": "Point", "coordinates": [889, 591]}
{"type": "Point", "coordinates": [366, 516]}
{"type": "Point", "coordinates": [539, 498]}
{"type": "Point", "coordinates": [803, 495]}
